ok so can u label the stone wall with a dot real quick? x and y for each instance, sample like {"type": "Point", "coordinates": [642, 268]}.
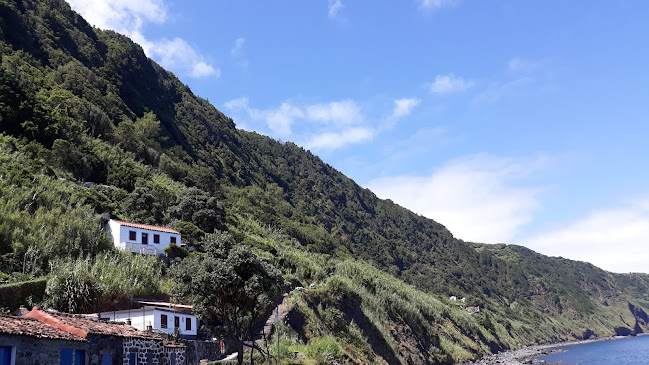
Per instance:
{"type": "Point", "coordinates": [39, 351]}
{"type": "Point", "coordinates": [199, 350]}
{"type": "Point", "coordinates": [174, 356]}
{"type": "Point", "coordinates": [151, 352]}
{"type": "Point", "coordinates": [102, 345]}
{"type": "Point", "coordinates": [42, 351]}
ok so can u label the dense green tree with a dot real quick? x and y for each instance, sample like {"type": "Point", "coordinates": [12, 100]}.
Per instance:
{"type": "Point", "coordinates": [143, 207]}
{"type": "Point", "coordinates": [191, 234]}
{"type": "Point", "coordinates": [198, 207]}
{"type": "Point", "coordinates": [231, 285]}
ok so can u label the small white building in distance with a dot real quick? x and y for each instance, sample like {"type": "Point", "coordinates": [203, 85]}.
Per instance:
{"type": "Point", "coordinates": [160, 316]}
{"type": "Point", "coordinates": [141, 238]}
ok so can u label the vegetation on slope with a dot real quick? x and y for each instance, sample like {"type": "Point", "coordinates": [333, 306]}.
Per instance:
{"type": "Point", "coordinates": [81, 105]}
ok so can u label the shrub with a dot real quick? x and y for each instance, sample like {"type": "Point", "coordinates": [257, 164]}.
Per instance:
{"type": "Point", "coordinates": [14, 295]}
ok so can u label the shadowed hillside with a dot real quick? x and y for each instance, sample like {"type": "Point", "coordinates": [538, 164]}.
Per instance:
{"type": "Point", "coordinates": [78, 104]}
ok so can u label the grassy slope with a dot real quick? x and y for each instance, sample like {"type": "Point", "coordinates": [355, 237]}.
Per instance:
{"type": "Point", "coordinates": [326, 228]}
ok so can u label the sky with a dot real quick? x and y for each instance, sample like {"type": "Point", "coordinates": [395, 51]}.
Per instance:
{"type": "Point", "coordinates": [507, 121]}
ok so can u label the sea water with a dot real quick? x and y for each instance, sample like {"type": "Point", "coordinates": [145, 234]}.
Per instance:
{"type": "Point", "coordinates": [626, 351]}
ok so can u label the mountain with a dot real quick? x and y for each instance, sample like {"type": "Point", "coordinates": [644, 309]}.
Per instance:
{"type": "Point", "coordinates": [91, 125]}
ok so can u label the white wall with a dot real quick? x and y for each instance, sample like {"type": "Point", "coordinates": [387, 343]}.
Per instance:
{"type": "Point", "coordinates": [170, 322]}
{"type": "Point", "coordinates": [141, 318]}
{"type": "Point", "coordinates": [120, 233]}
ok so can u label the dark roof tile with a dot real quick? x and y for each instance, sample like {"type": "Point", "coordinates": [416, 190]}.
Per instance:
{"type": "Point", "coordinates": [31, 327]}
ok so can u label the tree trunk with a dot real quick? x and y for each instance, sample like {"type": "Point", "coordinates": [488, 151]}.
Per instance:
{"type": "Point", "coordinates": [251, 330]}
{"type": "Point", "coordinates": [240, 352]}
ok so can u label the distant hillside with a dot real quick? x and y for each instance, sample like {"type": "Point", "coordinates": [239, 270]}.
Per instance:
{"type": "Point", "coordinates": [78, 104]}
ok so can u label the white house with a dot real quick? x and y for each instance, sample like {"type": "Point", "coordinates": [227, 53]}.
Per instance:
{"type": "Point", "coordinates": [161, 316]}
{"type": "Point", "coordinates": [141, 238]}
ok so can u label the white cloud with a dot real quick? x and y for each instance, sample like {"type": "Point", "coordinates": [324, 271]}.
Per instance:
{"type": "Point", "coordinates": [325, 126]}
{"type": "Point", "coordinates": [478, 198]}
{"type": "Point", "coordinates": [336, 112]}
{"type": "Point", "coordinates": [434, 4]}
{"type": "Point", "coordinates": [403, 107]}
{"type": "Point", "coordinates": [120, 15]}
{"type": "Point", "coordinates": [129, 17]}
{"type": "Point", "coordinates": [237, 104]}
{"type": "Point", "coordinates": [498, 90]}
{"type": "Point", "coordinates": [280, 120]}
{"type": "Point", "coordinates": [238, 46]}
{"type": "Point", "coordinates": [614, 239]}
{"type": "Point", "coordinates": [518, 64]}
{"type": "Point", "coordinates": [177, 54]}
{"type": "Point", "coordinates": [331, 141]}
{"type": "Point", "coordinates": [335, 6]}
{"type": "Point", "coordinates": [202, 69]}
{"type": "Point", "coordinates": [445, 84]}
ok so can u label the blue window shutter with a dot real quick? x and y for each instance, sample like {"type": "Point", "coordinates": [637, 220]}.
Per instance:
{"type": "Point", "coordinates": [106, 359]}
{"type": "Point", "coordinates": [79, 357]}
{"type": "Point", "coordinates": [5, 355]}
{"type": "Point", "coordinates": [66, 357]}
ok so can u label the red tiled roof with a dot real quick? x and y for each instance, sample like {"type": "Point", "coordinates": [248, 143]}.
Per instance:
{"type": "Point", "coordinates": [146, 226]}
{"type": "Point", "coordinates": [31, 327]}
{"type": "Point", "coordinates": [82, 326]}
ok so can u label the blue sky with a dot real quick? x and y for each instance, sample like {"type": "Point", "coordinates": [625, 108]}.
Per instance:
{"type": "Point", "coordinates": [506, 121]}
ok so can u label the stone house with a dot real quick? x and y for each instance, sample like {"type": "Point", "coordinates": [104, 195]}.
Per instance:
{"type": "Point", "coordinates": [95, 343]}
{"type": "Point", "coordinates": [27, 341]}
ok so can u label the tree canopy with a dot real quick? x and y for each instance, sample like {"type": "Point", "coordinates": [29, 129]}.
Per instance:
{"type": "Point", "coordinates": [230, 285]}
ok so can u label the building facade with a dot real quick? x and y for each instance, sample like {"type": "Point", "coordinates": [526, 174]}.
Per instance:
{"type": "Point", "coordinates": [173, 319]}
{"type": "Point", "coordinates": [92, 342]}
{"type": "Point", "coordinates": [141, 238]}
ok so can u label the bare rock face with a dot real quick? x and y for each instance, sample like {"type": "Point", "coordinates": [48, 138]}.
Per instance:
{"type": "Point", "coordinates": [587, 333]}
{"type": "Point", "coordinates": [623, 331]}
{"type": "Point", "coordinates": [639, 314]}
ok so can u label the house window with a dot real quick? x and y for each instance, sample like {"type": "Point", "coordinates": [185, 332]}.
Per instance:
{"type": "Point", "coordinates": [156, 238]}
{"type": "Point", "coordinates": [176, 322]}
{"type": "Point", "coordinates": [173, 239]}
{"type": "Point", "coordinates": [188, 324]}
{"type": "Point", "coordinates": [132, 235]}
{"type": "Point", "coordinates": [6, 353]}
{"type": "Point", "coordinates": [163, 321]}
{"type": "Point", "coordinates": [70, 355]}
{"type": "Point", "coordinates": [145, 238]}
{"type": "Point", "coordinates": [79, 357]}
{"type": "Point", "coordinates": [106, 359]}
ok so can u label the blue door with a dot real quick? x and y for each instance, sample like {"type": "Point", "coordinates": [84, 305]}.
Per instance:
{"type": "Point", "coordinates": [79, 357]}
{"type": "Point", "coordinates": [66, 357]}
{"type": "Point", "coordinates": [5, 355]}
{"type": "Point", "coordinates": [106, 359]}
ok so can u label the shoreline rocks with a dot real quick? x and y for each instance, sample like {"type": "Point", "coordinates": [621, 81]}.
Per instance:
{"type": "Point", "coordinates": [529, 355]}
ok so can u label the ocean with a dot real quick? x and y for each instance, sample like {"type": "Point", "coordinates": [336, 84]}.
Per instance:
{"type": "Point", "coordinates": [626, 351]}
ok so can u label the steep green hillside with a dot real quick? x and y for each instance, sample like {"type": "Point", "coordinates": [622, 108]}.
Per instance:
{"type": "Point", "coordinates": [79, 105]}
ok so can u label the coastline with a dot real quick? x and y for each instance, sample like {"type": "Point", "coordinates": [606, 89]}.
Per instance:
{"type": "Point", "coordinates": [527, 354]}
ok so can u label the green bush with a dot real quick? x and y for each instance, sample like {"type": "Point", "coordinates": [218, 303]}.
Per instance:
{"type": "Point", "coordinates": [322, 349]}
{"type": "Point", "coordinates": [14, 295]}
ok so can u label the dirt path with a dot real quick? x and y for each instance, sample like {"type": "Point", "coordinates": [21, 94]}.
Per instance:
{"type": "Point", "coordinates": [281, 310]}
